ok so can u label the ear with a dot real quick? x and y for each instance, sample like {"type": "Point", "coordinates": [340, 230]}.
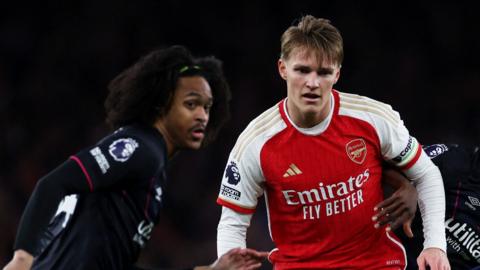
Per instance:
{"type": "Point", "coordinates": [282, 68]}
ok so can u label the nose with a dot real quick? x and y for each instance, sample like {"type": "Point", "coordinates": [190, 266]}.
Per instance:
{"type": "Point", "coordinates": [202, 115]}
{"type": "Point", "coordinates": [313, 80]}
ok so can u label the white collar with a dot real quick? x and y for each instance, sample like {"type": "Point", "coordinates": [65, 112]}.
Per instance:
{"type": "Point", "coordinates": [318, 128]}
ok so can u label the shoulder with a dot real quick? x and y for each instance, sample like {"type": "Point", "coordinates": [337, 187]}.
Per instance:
{"type": "Point", "coordinates": [452, 159]}
{"type": "Point", "coordinates": [367, 109]}
{"type": "Point", "coordinates": [259, 130]}
{"type": "Point", "coordinates": [435, 150]}
{"type": "Point", "coordinates": [144, 141]}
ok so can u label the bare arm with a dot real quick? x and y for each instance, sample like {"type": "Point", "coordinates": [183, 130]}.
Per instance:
{"type": "Point", "coordinates": [22, 260]}
{"type": "Point", "coordinates": [400, 207]}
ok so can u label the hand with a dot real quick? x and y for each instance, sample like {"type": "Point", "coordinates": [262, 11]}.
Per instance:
{"type": "Point", "coordinates": [435, 258]}
{"type": "Point", "coordinates": [22, 260]}
{"type": "Point", "coordinates": [400, 207]}
{"type": "Point", "coordinates": [239, 259]}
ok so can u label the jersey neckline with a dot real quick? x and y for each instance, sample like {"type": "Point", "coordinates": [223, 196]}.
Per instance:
{"type": "Point", "coordinates": [315, 130]}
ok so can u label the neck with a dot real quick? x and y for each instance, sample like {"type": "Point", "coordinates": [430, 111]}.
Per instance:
{"type": "Point", "coordinates": [171, 149]}
{"type": "Point", "coordinates": [308, 119]}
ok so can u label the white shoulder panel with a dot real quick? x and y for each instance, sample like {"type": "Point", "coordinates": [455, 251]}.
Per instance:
{"type": "Point", "coordinates": [392, 133]}
{"type": "Point", "coordinates": [243, 173]}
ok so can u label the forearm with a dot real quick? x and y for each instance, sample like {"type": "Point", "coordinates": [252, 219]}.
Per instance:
{"type": "Point", "coordinates": [21, 260]}
{"type": "Point", "coordinates": [393, 178]}
{"type": "Point", "coordinates": [230, 237]}
{"type": "Point", "coordinates": [232, 230]}
{"type": "Point", "coordinates": [431, 200]}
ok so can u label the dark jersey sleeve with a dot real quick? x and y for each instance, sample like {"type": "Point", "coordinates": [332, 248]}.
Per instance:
{"type": "Point", "coordinates": [117, 159]}
{"type": "Point", "coordinates": [454, 161]}
{"type": "Point", "coordinates": [459, 166]}
{"type": "Point", "coordinates": [102, 167]}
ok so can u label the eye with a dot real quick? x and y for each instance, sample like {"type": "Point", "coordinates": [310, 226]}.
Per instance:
{"type": "Point", "coordinates": [207, 107]}
{"type": "Point", "coordinates": [190, 105]}
{"type": "Point", "coordinates": [302, 70]}
{"type": "Point", "coordinates": [325, 71]}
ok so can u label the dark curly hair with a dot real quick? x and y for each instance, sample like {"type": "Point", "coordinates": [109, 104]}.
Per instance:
{"type": "Point", "coordinates": [144, 91]}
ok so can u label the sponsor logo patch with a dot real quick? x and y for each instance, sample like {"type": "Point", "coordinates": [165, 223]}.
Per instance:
{"type": "Point", "coordinates": [232, 174]}
{"type": "Point", "coordinates": [408, 153]}
{"type": "Point", "coordinates": [292, 171]}
{"type": "Point", "coordinates": [435, 150]}
{"type": "Point", "coordinates": [230, 192]}
{"type": "Point", "coordinates": [122, 149]}
{"type": "Point", "coordinates": [463, 238]}
{"type": "Point", "coordinates": [393, 262]}
{"type": "Point", "coordinates": [326, 200]}
{"type": "Point", "coordinates": [144, 231]}
{"type": "Point", "coordinates": [356, 150]}
{"type": "Point", "coordinates": [475, 201]}
{"type": "Point", "coordinates": [158, 194]}
{"type": "Point", "coordinates": [100, 159]}
{"type": "Point", "coordinates": [67, 206]}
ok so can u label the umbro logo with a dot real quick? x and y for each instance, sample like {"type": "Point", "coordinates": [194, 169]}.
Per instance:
{"type": "Point", "coordinates": [474, 201]}
{"type": "Point", "coordinates": [292, 171]}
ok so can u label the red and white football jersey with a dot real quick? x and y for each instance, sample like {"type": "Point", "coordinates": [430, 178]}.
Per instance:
{"type": "Point", "coordinates": [321, 184]}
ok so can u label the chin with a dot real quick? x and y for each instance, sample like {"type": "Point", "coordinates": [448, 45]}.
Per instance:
{"type": "Point", "coordinates": [311, 111]}
{"type": "Point", "coordinates": [195, 145]}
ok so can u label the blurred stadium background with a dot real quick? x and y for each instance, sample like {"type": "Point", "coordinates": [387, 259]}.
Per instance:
{"type": "Point", "coordinates": [56, 58]}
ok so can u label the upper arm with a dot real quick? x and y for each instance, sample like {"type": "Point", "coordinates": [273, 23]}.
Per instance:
{"type": "Point", "coordinates": [242, 181]}
{"type": "Point", "coordinates": [396, 145]}
{"type": "Point", "coordinates": [116, 159]}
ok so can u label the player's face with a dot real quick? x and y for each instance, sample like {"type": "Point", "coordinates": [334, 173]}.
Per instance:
{"type": "Point", "coordinates": [185, 123]}
{"type": "Point", "coordinates": [309, 84]}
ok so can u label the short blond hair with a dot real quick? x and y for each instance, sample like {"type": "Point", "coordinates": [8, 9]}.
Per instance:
{"type": "Point", "coordinates": [314, 34]}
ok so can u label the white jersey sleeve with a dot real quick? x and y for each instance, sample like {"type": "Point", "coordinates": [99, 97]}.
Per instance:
{"type": "Point", "coordinates": [243, 180]}
{"type": "Point", "coordinates": [232, 230]}
{"type": "Point", "coordinates": [241, 184]}
{"type": "Point", "coordinates": [403, 151]}
{"type": "Point", "coordinates": [431, 200]}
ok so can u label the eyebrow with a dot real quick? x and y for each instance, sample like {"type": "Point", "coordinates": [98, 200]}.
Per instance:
{"type": "Point", "coordinates": [300, 66]}
{"type": "Point", "coordinates": [195, 94]}
{"type": "Point", "coordinates": [328, 69]}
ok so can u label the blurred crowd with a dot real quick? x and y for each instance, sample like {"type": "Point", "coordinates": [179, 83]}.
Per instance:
{"type": "Point", "coordinates": [56, 59]}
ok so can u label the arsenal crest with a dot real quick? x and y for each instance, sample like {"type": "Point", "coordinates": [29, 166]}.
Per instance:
{"type": "Point", "coordinates": [356, 150]}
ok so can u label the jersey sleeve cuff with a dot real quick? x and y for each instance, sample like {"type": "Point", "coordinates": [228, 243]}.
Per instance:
{"type": "Point", "coordinates": [235, 207]}
{"type": "Point", "coordinates": [436, 244]}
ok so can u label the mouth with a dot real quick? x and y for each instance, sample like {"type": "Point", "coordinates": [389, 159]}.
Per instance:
{"type": "Point", "coordinates": [198, 132]}
{"type": "Point", "coordinates": [311, 97]}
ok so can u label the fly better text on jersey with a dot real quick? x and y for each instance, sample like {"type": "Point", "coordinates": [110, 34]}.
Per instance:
{"type": "Point", "coordinates": [328, 200]}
